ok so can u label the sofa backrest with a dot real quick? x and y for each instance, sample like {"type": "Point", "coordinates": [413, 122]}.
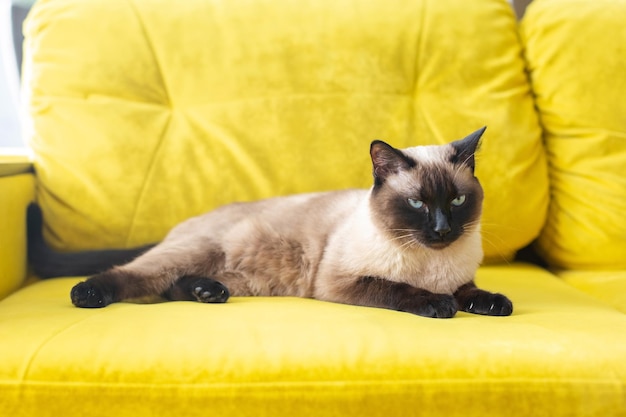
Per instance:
{"type": "Point", "coordinates": [576, 52]}
{"type": "Point", "coordinates": [144, 113]}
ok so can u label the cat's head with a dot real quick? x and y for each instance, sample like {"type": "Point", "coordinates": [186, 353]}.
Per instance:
{"type": "Point", "coordinates": [427, 194]}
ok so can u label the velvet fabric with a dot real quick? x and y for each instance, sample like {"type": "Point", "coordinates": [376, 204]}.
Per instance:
{"type": "Point", "coordinates": [141, 113]}
{"type": "Point", "coordinates": [577, 69]}
{"type": "Point", "coordinates": [203, 103]}
{"type": "Point", "coordinates": [16, 191]}
{"type": "Point", "coordinates": [559, 354]}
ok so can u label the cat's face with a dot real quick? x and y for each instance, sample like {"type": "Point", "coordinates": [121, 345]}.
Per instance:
{"type": "Point", "coordinates": [427, 195]}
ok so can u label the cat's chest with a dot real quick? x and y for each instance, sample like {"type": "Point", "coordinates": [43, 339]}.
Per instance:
{"type": "Point", "coordinates": [440, 271]}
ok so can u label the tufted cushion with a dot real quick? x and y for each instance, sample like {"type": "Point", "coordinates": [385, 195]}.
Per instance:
{"type": "Point", "coordinates": [559, 354]}
{"type": "Point", "coordinates": [577, 60]}
{"type": "Point", "coordinates": [146, 112]}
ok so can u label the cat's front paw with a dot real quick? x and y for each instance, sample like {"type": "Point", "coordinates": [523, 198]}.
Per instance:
{"type": "Point", "coordinates": [207, 290]}
{"type": "Point", "coordinates": [87, 295]}
{"type": "Point", "coordinates": [442, 306]}
{"type": "Point", "coordinates": [488, 304]}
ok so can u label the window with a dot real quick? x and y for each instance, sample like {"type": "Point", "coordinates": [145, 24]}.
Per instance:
{"type": "Point", "coordinates": [10, 134]}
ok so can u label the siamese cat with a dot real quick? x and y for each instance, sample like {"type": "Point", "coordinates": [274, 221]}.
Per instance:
{"type": "Point", "coordinates": [409, 243]}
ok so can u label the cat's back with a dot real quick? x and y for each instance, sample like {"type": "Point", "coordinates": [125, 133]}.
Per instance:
{"type": "Point", "coordinates": [305, 215]}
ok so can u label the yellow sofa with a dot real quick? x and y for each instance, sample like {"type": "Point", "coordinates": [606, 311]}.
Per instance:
{"type": "Point", "coordinates": [141, 113]}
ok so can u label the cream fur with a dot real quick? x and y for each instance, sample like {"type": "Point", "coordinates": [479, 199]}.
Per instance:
{"type": "Point", "coordinates": [359, 248]}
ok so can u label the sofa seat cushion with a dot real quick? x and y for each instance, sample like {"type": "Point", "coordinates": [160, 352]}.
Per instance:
{"type": "Point", "coordinates": [608, 286]}
{"type": "Point", "coordinates": [559, 354]}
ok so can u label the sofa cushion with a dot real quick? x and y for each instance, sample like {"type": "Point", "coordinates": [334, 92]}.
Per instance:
{"type": "Point", "coordinates": [606, 285]}
{"type": "Point", "coordinates": [17, 192]}
{"type": "Point", "coordinates": [147, 112]}
{"type": "Point", "coordinates": [559, 354]}
{"type": "Point", "coordinates": [575, 51]}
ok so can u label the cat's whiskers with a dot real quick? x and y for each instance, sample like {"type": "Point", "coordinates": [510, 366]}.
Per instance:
{"type": "Point", "coordinates": [473, 226]}
{"type": "Point", "coordinates": [498, 251]}
{"type": "Point", "coordinates": [407, 233]}
{"type": "Point", "coordinates": [403, 237]}
{"type": "Point", "coordinates": [407, 240]}
{"type": "Point", "coordinates": [501, 226]}
{"type": "Point", "coordinates": [409, 244]}
{"type": "Point", "coordinates": [485, 224]}
{"type": "Point", "coordinates": [486, 235]}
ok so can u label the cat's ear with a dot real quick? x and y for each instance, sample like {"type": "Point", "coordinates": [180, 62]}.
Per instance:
{"type": "Point", "coordinates": [464, 149]}
{"type": "Point", "coordinates": [387, 160]}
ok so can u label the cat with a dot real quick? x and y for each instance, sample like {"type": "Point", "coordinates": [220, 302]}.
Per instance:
{"type": "Point", "coordinates": [410, 243]}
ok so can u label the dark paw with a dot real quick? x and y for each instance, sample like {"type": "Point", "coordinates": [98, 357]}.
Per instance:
{"type": "Point", "coordinates": [87, 295]}
{"type": "Point", "coordinates": [206, 290]}
{"type": "Point", "coordinates": [488, 304]}
{"type": "Point", "coordinates": [442, 306]}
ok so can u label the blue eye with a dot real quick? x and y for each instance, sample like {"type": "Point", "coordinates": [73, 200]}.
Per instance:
{"type": "Point", "coordinates": [458, 201]}
{"type": "Point", "coordinates": [416, 204]}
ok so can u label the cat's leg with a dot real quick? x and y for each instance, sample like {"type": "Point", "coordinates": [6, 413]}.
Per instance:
{"type": "Point", "coordinates": [201, 289]}
{"type": "Point", "coordinates": [120, 283]}
{"type": "Point", "coordinates": [150, 274]}
{"type": "Point", "coordinates": [382, 293]}
{"type": "Point", "coordinates": [474, 300]}
{"type": "Point", "coordinates": [210, 290]}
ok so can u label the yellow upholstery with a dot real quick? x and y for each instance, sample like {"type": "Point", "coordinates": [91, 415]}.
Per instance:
{"type": "Point", "coordinates": [608, 286]}
{"type": "Point", "coordinates": [17, 190]}
{"type": "Point", "coordinates": [201, 103]}
{"type": "Point", "coordinates": [577, 67]}
{"type": "Point", "coordinates": [558, 355]}
{"type": "Point", "coordinates": [144, 112]}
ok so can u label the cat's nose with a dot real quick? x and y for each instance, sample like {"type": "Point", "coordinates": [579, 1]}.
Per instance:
{"type": "Point", "coordinates": [442, 227]}
{"type": "Point", "coordinates": [443, 231]}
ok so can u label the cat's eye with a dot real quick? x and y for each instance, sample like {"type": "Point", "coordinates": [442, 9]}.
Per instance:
{"type": "Point", "coordinates": [416, 204]}
{"type": "Point", "coordinates": [458, 201]}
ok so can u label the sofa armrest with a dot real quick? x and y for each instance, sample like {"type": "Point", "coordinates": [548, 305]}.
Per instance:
{"type": "Point", "coordinates": [14, 162]}
{"type": "Point", "coordinates": [17, 190]}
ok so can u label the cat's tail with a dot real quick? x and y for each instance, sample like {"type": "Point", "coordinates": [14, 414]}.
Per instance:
{"type": "Point", "coordinates": [48, 263]}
